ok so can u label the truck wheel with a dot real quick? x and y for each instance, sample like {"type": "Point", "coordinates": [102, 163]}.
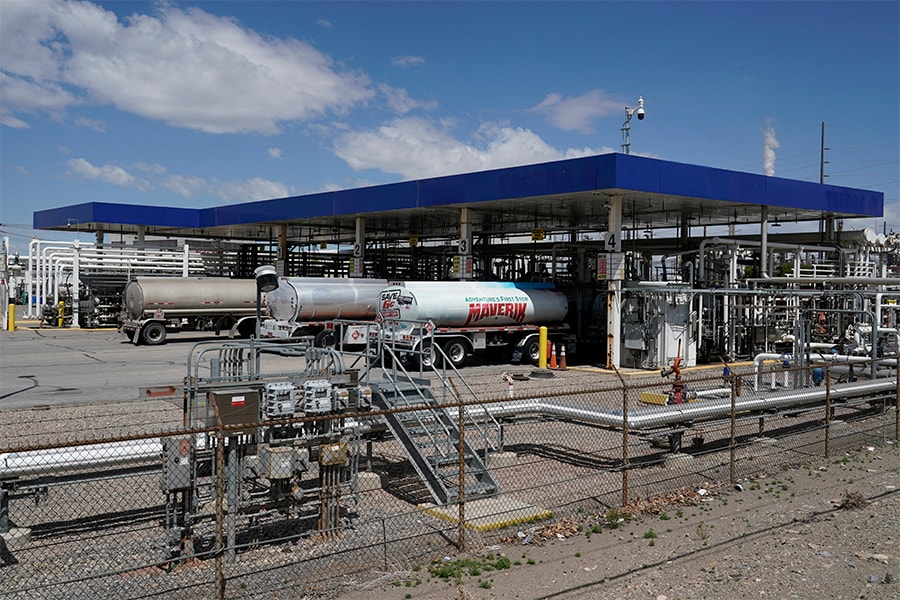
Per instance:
{"type": "Point", "coordinates": [533, 351]}
{"type": "Point", "coordinates": [245, 328]}
{"type": "Point", "coordinates": [154, 334]}
{"type": "Point", "coordinates": [325, 339]}
{"type": "Point", "coordinates": [457, 351]}
{"type": "Point", "coordinates": [427, 357]}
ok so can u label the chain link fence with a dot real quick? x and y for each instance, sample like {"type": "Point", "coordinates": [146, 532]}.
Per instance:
{"type": "Point", "coordinates": [90, 515]}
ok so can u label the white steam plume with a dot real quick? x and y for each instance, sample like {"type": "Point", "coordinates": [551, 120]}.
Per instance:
{"type": "Point", "coordinates": [770, 143]}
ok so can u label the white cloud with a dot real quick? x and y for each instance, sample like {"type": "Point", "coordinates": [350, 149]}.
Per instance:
{"type": "Point", "coordinates": [154, 168]}
{"type": "Point", "coordinates": [274, 152]}
{"type": "Point", "coordinates": [26, 96]}
{"type": "Point", "coordinates": [253, 189]}
{"type": "Point", "coordinates": [11, 121]}
{"type": "Point", "coordinates": [324, 23]}
{"type": "Point", "coordinates": [416, 148]}
{"type": "Point", "coordinates": [91, 124]}
{"type": "Point", "coordinates": [578, 114]}
{"type": "Point", "coordinates": [187, 187]}
{"type": "Point", "coordinates": [106, 173]}
{"type": "Point", "coordinates": [401, 103]}
{"type": "Point", "coordinates": [185, 67]}
{"type": "Point", "coordinates": [404, 62]}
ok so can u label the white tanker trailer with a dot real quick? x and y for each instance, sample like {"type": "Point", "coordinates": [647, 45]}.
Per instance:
{"type": "Point", "coordinates": [307, 306]}
{"type": "Point", "coordinates": [468, 317]}
{"type": "Point", "coordinates": [154, 305]}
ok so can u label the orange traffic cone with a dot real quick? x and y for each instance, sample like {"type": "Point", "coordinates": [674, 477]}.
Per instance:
{"type": "Point", "coordinates": [552, 356]}
{"type": "Point", "coordinates": [562, 357]}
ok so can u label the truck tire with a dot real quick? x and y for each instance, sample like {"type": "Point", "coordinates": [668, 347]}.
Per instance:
{"type": "Point", "coordinates": [457, 351]}
{"type": "Point", "coordinates": [154, 334]}
{"type": "Point", "coordinates": [325, 339]}
{"type": "Point", "coordinates": [532, 351]}
{"type": "Point", "coordinates": [427, 357]}
{"type": "Point", "coordinates": [247, 328]}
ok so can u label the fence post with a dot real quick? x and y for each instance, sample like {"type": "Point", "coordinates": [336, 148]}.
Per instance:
{"type": "Point", "coordinates": [897, 406]}
{"type": "Point", "coordinates": [462, 475]}
{"type": "Point", "coordinates": [220, 514]}
{"type": "Point", "coordinates": [624, 441]}
{"type": "Point", "coordinates": [731, 459]}
{"type": "Point", "coordinates": [827, 410]}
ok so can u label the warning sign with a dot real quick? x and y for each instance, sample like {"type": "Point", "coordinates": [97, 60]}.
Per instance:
{"type": "Point", "coordinates": [611, 267]}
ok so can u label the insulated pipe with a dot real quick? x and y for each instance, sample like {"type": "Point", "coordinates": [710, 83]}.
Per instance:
{"type": "Point", "coordinates": [43, 462]}
{"type": "Point", "coordinates": [32, 275]}
{"type": "Point", "coordinates": [834, 358]}
{"type": "Point", "coordinates": [51, 267]}
{"type": "Point", "coordinates": [45, 274]}
{"type": "Point", "coordinates": [717, 241]}
{"type": "Point", "coordinates": [76, 283]}
{"type": "Point", "coordinates": [668, 415]}
{"type": "Point", "coordinates": [54, 460]}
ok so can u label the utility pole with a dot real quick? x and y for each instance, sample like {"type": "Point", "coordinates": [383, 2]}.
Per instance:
{"type": "Point", "coordinates": [822, 161]}
{"type": "Point", "coordinates": [826, 224]}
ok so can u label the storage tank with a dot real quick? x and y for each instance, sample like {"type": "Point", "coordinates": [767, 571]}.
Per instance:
{"type": "Point", "coordinates": [472, 304]}
{"type": "Point", "coordinates": [186, 296]}
{"type": "Point", "coordinates": [320, 299]}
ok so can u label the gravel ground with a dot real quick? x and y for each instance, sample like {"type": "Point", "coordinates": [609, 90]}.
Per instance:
{"type": "Point", "coordinates": [826, 530]}
{"type": "Point", "coordinates": [830, 529]}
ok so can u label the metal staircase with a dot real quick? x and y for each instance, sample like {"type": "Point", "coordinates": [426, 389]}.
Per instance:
{"type": "Point", "coordinates": [430, 436]}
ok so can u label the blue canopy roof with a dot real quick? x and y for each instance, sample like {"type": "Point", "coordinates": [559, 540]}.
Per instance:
{"type": "Point", "coordinates": [655, 193]}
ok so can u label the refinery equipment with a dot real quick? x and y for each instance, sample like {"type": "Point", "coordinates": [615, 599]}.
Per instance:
{"type": "Point", "coordinates": [289, 439]}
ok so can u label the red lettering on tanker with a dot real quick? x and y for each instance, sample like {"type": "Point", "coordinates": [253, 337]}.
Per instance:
{"type": "Point", "coordinates": [485, 310]}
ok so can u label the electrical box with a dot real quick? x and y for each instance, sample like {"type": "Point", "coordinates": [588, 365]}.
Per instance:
{"type": "Point", "coordinates": [177, 463]}
{"type": "Point", "coordinates": [277, 461]}
{"type": "Point", "coordinates": [236, 406]}
{"type": "Point", "coordinates": [333, 454]}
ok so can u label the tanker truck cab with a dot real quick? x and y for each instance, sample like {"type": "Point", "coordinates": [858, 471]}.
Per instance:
{"type": "Point", "coordinates": [465, 318]}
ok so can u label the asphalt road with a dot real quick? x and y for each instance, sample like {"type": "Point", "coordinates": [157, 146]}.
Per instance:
{"type": "Point", "coordinates": [65, 367]}
{"type": "Point", "coordinates": [52, 367]}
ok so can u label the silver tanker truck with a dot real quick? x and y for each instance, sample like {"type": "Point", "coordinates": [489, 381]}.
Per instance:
{"type": "Point", "coordinates": [309, 306]}
{"type": "Point", "coordinates": [155, 305]}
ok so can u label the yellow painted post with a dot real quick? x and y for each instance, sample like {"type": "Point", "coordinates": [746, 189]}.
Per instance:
{"type": "Point", "coordinates": [11, 320]}
{"type": "Point", "coordinates": [60, 311]}
{"type": "Point", "coordinates": [542, 342]}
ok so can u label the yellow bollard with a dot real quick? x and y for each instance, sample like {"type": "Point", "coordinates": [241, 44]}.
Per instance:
{"type": "Point", "coordinates": [60, 311]}
{"type": "Point", "coordinates": [542, 342]}
{"type": "Point", "coordinates": [11, 320]}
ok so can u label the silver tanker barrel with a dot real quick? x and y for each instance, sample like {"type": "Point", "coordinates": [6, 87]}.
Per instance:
{"type": "Point", "coordinates": [319, 299]}
{"type": "Point", "coordinates": [155, 304]}
{"type": "Point", "coordinates": [189, 296]}
{"type": "Point", "coordinates": [471, 304]}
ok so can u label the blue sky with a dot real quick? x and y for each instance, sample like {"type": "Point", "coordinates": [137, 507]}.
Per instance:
{"type": "Point", "coordinates": [199, 104]}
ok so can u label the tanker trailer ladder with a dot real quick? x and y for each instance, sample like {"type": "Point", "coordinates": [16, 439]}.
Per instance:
{"type": "Point", "coordinates": [431, 440]}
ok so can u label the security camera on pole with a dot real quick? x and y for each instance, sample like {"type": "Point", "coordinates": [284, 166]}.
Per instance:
{"type": "Point", "coordinates": [626, 127]}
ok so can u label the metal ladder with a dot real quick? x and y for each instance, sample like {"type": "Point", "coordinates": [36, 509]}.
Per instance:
{"type": "Point", "coordinates": [430, 437]}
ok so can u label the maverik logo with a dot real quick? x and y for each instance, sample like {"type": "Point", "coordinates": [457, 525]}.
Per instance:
{"type": "Point", "coordinates": [483, 310]}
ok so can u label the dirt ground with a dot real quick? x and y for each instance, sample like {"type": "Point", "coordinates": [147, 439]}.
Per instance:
{"type": "Point", "coordinates": [830, 529]}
